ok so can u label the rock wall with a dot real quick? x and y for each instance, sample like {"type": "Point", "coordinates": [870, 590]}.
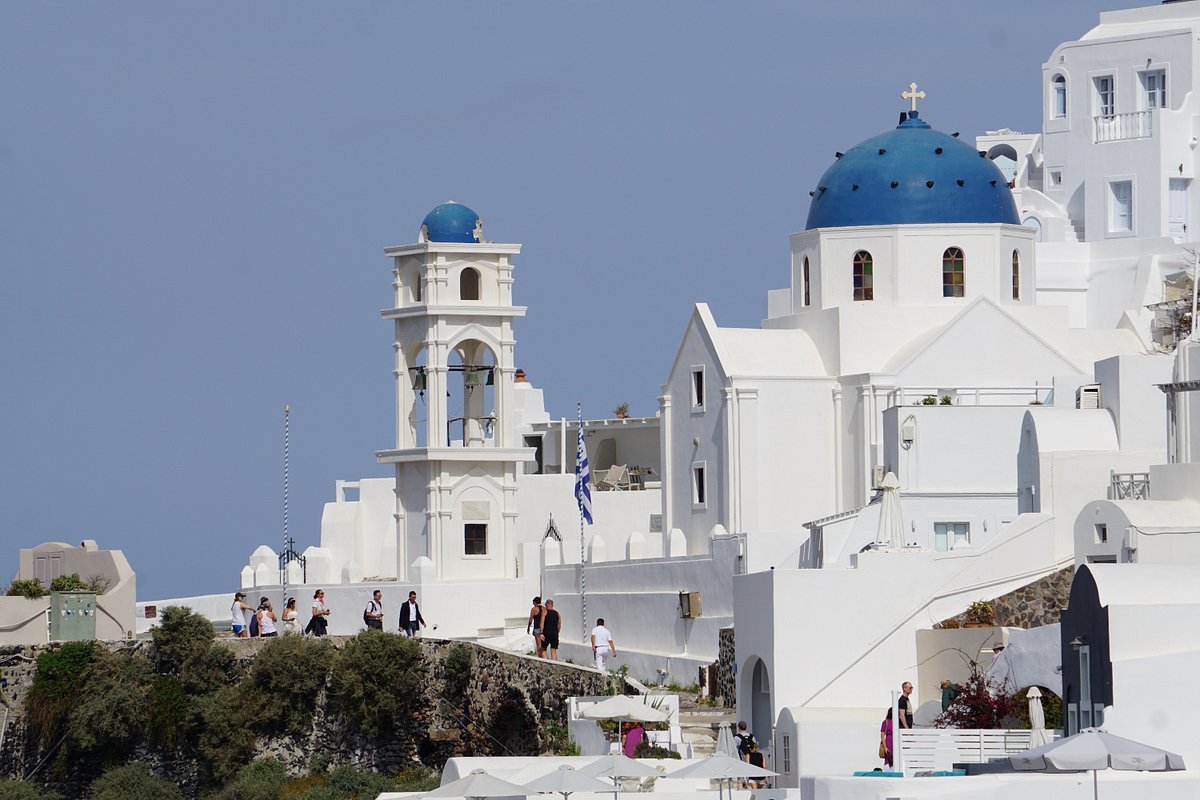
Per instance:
{"type": "Point", "coordinates": [726, 688]}
{"type": "Point", "coordinates": [500, 709]}
{"type": "Point", "coordinates": [1033, 605]}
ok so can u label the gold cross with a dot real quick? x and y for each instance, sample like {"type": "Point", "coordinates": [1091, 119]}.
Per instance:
{"type": "Point", "coordinates": [913, 95]}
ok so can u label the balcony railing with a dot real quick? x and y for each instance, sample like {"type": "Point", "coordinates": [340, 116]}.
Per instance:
{"type": "Point", "coordinates": [1129, 486]}
{"type": "Point", "coordinates": [1119, 127]}
{"type": "Point", "coordinates": [940, 748]}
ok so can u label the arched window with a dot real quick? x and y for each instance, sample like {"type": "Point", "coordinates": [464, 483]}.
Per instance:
{"type": "Point", "coordinates": [863, 284]}
{"type": "Point", "coordinates": [952, 272]}
{"type": "Point", "coordinates": [1016, 275]}
{"type": "Point", "coordinates": [1058, 96]}
{"type": "Point", "coordinates": [468, 284]}
{"type": "Point", "coordinates": [807, 295]}
{"type": "Point", "coordinates": [416, 287]}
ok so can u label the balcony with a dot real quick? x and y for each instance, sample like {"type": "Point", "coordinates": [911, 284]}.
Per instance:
{"type": "Point", "coordinates": [1123, 127]}
{"type": "Point", "coordinates": [1129, 486]}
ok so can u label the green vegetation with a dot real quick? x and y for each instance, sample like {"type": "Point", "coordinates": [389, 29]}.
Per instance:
{"type": "Point", "coordinates": [31, 588]}
{"type": "Point", "coordinates": [110, 713]}
{"type": "Point", "coordinates": [280, 693]}
{"type": "Point", "coordinates": [133, 782]}
{"type": "Point", "coordinates": [69, 583]}
{"type": "Point", "coordinates": [458, 667]}
{"type": "Point", "coordinates": [57, 684]}
{"type": "Point", "coordinates": [268, 780]}
{"type": "Point", "coordinates": [557, 741]}
{"type": "Point", "coordinates": [20, 790]}
{"type": "Point", "coordinates": [378, 677]}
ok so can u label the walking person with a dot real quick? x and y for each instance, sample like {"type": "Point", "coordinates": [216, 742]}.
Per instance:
{"type": "Point", "coordinates": [240, 624]}
{"type": "Point", "coordinates": [885, 739]}
{"type": "Point", "coordinates": [289, 616]}
{"type": "Point", "coordinates": [318, 625]}
{"type": "Point", "coordinates": [551, 625]}
{"type": "Point", "coordinates": [373, 613]}
{"type": "Point", "coordinates": [411, 620]}
{"type": "Point", "coordinates": [757, 759]}
{"type": "Point", "coordinates": [266, 619]}
{"type": "Point", "coordinates": [906, 705]}
{"type": "Point", "coordinates": [535, 623]}
{"type": "Point", "coordinates": [603, 646]}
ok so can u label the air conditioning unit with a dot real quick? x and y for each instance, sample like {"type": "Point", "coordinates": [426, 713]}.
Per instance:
{"type": "Point", "coordinates": [1088, 396]}
{"type": "Point", "coordinates": [689, 605]}
{"type": "Point", "coordinates": [877, 474]}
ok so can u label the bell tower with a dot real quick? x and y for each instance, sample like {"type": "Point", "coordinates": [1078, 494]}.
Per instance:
{"type": "Point", "coordinates": [456, 453]}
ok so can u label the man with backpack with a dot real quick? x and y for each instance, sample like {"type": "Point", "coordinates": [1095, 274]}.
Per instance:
{"type": "Point", "coordinates": [373, 613]}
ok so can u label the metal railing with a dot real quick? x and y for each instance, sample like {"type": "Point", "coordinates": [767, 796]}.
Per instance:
{"type": "Point", "coordinates": [969, 395]}
{"type": "Point", "coordinates": [1129, 486]}
{"type": "Point", "coordinates": [1119, 127]}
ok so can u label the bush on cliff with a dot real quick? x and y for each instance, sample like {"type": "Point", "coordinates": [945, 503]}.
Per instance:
{"type": "Point", "coordinates": [133, 782]}
{"type": "Point", "coordinates": [56, 686]}
{"type": "Point", "coordinates": [458, 668]}
{"type": "Point", "coordinates": [184, 644]}
{"type": "Point", "coordinates": [377, 678]}
{"type": "Point", "coordinates": [264, 779]}
{"type": "Point", "coordinates": [111, 711]}
{"type": "Point", "coordinates": [20, 790]}
{"type": "Point", "coordinates": [280, 693]}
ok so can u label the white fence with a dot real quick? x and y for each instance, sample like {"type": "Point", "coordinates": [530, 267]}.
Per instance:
{"type": "Point", "coordinates": [941, 748]}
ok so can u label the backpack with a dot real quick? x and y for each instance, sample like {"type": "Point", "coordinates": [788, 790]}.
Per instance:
{"type": "Point", "coordinates": [254, 624]}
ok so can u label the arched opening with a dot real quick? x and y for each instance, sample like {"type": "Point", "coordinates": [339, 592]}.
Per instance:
{"type": "Point", "coordinates": [417, 416]}
{"type": "Point", "coordinates": [1058, 96]}
{"type": "Point", "coordinates": [1034, 224]}
{"type": "Point", "coordinates": [471, 396]}
{"type": "Point", "coordinates": [807, 296]}
{"type": "Point", "coordinates": [1016, 269]}
{"type": "Point", "coordinates": [513, 728]}
{"type": "Point", "coordinates": [1004, 156]}
{"type": "Point", "coordinates": [953, 284]}
{"type": "Point", "coordinates": [761, 722]}
{"type": "Point", "coordinates": [864, 284]}
{"type": "Point", "coordinates": [468, 284]}
{"type": "Point", "coordinates": [415, 287]}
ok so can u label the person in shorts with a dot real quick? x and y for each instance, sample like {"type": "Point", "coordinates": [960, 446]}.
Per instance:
{"type": "Point", "coordinates": [237, 611]}
{"type": "Point", "coordinates": [534, 625]}
{"type": "Point", "coordinates": [551, 625]}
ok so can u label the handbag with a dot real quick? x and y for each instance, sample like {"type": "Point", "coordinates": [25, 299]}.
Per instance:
{"type": "Point", "coordinates": [883, 751]}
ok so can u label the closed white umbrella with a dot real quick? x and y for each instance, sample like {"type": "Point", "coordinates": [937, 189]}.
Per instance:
{"type": "Point", "coordinates": [478, 784]}
{"type": "Point", "coordinates": [1037, 718]}
{"type": "Point", "coordinates": [891, 522]}
{"type": "Point", "coordinates": [566, 780]}
{"type": "Point", "coordinates": [725, 742]}
{"type": "Point", "coordinates": [1096, 749]}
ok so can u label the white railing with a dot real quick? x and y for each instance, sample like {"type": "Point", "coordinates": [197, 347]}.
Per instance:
{"type": "Point", "coordinates": [1118, 127]}
{"type": "Point", "coordinates": [1129, 486]}
{"type": "Point", "coordinates": [940, 748]}
{"type": "Point", "coordinates": [970, 395]}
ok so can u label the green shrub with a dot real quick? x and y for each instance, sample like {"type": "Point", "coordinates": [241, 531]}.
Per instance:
{"type": "Point", "coordinates": [133, 782]}
{"type": "Point", "coordinates": [172, 712]}
{"type": "Point", "coordinates": [20, 790]}
{"type": "Point", "coordinates": [458, 667]}
{"type": "Point", "coordinates": [647, 750]}
{"type": "Point", "coordinates": [353, 784]}
{"type": "Point", "coordinates": [225, 736]}
{"type": "Point", "coordinates": [31, 587]}
{"type": "Point", "coordinates": [418, 779]}
{"type": "Point", "coordinates": [184, 644]}
{"type": "Point", "coordinates": [557, 741]}
{"type": "Point", "coordinates": [264, 779]}
{"type": "Point", "coordinates": [321, 792]}
{"type": "Point", "coordinates": [56, 686]}
{"type": "Point", "coordinates": [111, 711]}
{"type": "Point", "coordinates": [69, 583]}
{"type": "Point", "coordinates": [281, 690]}
{"type": "Point", "coordinates": [378, 677]}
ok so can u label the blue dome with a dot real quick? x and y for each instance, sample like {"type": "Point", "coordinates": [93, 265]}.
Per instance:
{"type": "Point", "coordinates": [912, 175]}
{"type": "Point", "coordinates": [451, 222]}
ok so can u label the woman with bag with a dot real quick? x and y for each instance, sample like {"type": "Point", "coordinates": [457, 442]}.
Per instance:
{"type": "Point", "coordinates": [885, 739]}
{"type": "Point", "coordinates": [318, 625]}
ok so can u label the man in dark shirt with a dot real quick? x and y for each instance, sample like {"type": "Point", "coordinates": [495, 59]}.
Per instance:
{"type": "Point", "coordinates": [906, 710]}
{"type": "Point", "coordinates": [551, 624]}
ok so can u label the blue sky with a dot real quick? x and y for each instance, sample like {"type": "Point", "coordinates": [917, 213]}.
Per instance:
{"type": "Point", "coordinates": [194, 200]}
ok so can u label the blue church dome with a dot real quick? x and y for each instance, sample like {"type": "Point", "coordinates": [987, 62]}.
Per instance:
{"type": "Point", "coordinates": [912, 175]}
{"type": "Point", "coordinates": [450, 222]}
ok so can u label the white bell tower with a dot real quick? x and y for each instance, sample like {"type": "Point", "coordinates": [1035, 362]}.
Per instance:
{"type": "Point", "coordinates": [456, 453]}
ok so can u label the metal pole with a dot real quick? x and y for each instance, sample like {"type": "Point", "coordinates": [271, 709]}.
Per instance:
{"type": "Point", "coordinates": [287, 542]}
{"type": "Point", "coordinates": [1195, 288]}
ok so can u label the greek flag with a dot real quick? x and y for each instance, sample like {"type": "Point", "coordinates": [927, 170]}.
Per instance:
{"type": "Point", "coordinates": [583, 475]}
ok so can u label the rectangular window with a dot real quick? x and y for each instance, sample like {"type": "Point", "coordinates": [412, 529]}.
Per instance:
{"type": "Point", "coordinates": [698, 387]}
{"type": "Point", "coordinates": [1101, 533]}
{"type": "Point", "coordinates": [1154, 88]}
{"type": "Point", "coordinates": [1105, 97]}
{"type": "Point", "coordinates": [699, 485]}
{"type": "Point", "coordinates": [1056, 177]}
{"type": "Point", "coordinates": [951, 535]}
{"type": "Point", "coordinates": [787, 753]}
{"type": "Point", "coordinates": [475, 539]}
{"type": "Point", "coordinates": [1058, 107]}
{"type": "Point", "coordinates": [1120, 217]}
{"type": "Point", "coordinates": [807, 293]}
{"type": "Point", "coordinates": [1085, 687]}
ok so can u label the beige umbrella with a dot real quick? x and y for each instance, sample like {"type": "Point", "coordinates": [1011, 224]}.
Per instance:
{"type": "Point", "coordinates": [723, 769]}
{"type": "Point", "coordinates": [1095, 749]}
{"type": "Point", "coordinates": [617, 766]}
{"type": "Point", "coordinates": [624, 709]}
{"type": "Point", "coordinates": [1037, 718]}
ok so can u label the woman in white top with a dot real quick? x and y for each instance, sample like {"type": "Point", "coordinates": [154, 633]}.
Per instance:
{"type": "Point", "coordinates": [266, 619]}
{"type": "Point", "coordinates": [289, 616]}
{"type": "Point", "coordinates": [318, 625]}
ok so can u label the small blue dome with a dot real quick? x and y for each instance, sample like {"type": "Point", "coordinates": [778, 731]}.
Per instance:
{"type": "Point", "coordinates": [451, 222]}
{"type": "Point", "coordinates": [912, 175]}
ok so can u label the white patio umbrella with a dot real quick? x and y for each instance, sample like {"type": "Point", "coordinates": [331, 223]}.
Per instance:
{"type": "Point", "coordinates": [1094, 749]}
{"type": "Point", "coordinates": [565, 780]}
{"type": "Point", "coordinates": [625, 709]}
{"type": "Point", "coordinates": [725, 741]}
{"type": "Point", "coordinates": [476, 785]}
{"type": "Point", "coordinates": [1037, 718]}
{"type": "Point", "coordinates": [891, 522]}
{"type": "Point", "coordinates": [617, 766]}
{"type": "Point", "coordinates": [722, 768]}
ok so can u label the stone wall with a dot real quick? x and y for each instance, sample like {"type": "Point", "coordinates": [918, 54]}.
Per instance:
{"type": "Point", "coordinates": [501, 709]}
{"type": "Point", "coordinates": [726, 689]}
{"type": "Point", "coordinates": [1033, 605]}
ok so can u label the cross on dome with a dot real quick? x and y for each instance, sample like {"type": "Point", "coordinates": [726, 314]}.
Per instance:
{"type": "Point", "coordinates": [913, 95]}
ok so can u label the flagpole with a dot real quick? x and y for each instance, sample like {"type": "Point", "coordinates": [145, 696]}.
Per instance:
{"type": "Point", "coordinates": [283, 578]}
{"type": "Point", "coordinates": [583, 499]}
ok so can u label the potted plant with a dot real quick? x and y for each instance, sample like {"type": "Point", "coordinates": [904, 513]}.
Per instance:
{"type": "Point", "coordinates": [929, 400]}
{"type": "Point", "coordinates": [622, 410]}
{"type": "Point", "coordinates": [980, 614]}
